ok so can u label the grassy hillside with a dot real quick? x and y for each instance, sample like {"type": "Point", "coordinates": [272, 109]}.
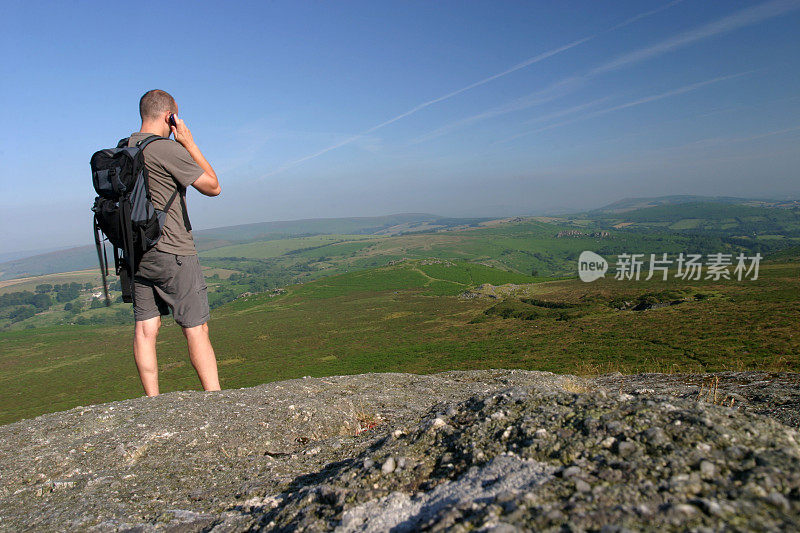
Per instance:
{"type": "Point", "coordinates": [72, 259]}
{"type": "Point", "coordinates": [529, 246]}
{"type": "Point", "coordinates": [29, 284]}
{"type": "Point", "coordinates": [525, 246]}
{"type": "Point", "coordinates": [86, 257]}
{"type": "Point", "coordinates": [314, 226]}
{"type": "Point", "coordinates": [757, 225]}
{"type": "Point", "coordinates": [360, 303]}
{"type": "Point", "coordinates": [630, 204]}
{"type": "Point", "coordinates": [711, 218]}
{"type": "Point", "coordinates": [409, 317]}
{"type": "Point", "coordinates": [277, 247]}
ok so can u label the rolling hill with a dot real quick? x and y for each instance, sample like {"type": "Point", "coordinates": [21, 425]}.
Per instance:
{"type": "Point", "coordinates": [539, 246]}
{"type": "Point", "coordinates": [721, 216]}
{"type": "Point", "coordinates": [630, 204]}
{"type": "Point", "coordinates": [83, 257]}
{"type": "Point", "coordinates": [421, 316]}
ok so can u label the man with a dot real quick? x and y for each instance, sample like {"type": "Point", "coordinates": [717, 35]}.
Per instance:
{"type": "Point", "coordinates": [169, 274]}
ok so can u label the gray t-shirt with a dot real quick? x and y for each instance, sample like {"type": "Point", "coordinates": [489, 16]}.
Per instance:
{"type": "Point", "coordinates": [169, 165]}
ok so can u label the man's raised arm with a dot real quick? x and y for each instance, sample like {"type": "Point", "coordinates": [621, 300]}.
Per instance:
{"type": "Point", "coordinates": [207, 183]}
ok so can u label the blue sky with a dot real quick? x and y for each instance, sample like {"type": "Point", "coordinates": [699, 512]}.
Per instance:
{"type": "Point", "coordinates": [317, 109]}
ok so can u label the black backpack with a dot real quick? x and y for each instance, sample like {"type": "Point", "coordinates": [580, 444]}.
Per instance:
{"type": "Point", "coordinates": [123, 212]}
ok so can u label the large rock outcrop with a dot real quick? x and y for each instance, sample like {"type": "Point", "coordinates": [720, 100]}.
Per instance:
{"type": "Point", "coordinates": [480, 450]}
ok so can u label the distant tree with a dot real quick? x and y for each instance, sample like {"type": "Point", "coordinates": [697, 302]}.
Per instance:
{"type": "Point", "coordinates": [44, 288]}
{"type": "Point", "coordinates": [87, 286]}
{"type": "Point", "coordinates": [69, 293]}
{"type": "Point", "coordinates": [68, 306]}
{"type": "Point", "coordinates": [97, 303]}
{"type": "Point", "coordinates": [41, 301]}
{"type": "Point", "coordinates": [15, 298]}
{"type": "Point", "coordinates": [22, 313]}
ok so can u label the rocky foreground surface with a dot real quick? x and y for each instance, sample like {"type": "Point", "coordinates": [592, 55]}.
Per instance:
{"type": "Point", "coordinates": [499, 450]}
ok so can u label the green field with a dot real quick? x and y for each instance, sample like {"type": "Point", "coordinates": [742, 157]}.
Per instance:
{"type": "Point", "coordinates": [766, 226]}
{"type": "Point", "coordinates": [711, 218]}
{"type": "Point", "coordinates": [28, 284]}
{"type": "Point", "coordinates": [538, 246]}
{"type": "Point", "coordinates": [84, 257]}
{"type": "Point", "coordinates": [408, 317]}
{"type": "Point", "coordinates": [275, 248]}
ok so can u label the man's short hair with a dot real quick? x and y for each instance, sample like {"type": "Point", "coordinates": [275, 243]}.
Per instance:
{"type": "Point", "coordinates": [154, 103]}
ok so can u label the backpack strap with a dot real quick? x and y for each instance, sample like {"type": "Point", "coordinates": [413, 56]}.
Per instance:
{"type": "Point", "coordinates": [142, 145]}
{"type": "Point", "coordinates": [172, 199]}
{"type": "Point", "coordinates": [185, 214]}
{"type": "Point", "coordinates": [102, 257]}
{"type": "Point", "coordinates": [183, 207]}
{"type": "Point", "coordinates": [147, 140]}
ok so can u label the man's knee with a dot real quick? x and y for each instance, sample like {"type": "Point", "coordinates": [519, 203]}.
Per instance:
{"type": "Point", "coordinates": [147, 329]}
{"type": "Point", "coordinates": [196, 331]}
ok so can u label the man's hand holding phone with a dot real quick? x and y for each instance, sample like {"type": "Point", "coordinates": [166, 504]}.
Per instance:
{"type": "Point", "coordinates": [207, 183]}
{"type": "Point", "coordinates": [180, 131]}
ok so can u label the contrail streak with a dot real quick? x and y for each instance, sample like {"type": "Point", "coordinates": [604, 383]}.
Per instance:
{"type": "Point", "coordinates": [640, 16]}
{"type": "Point", "coordinates": [569, 111]}
{"type": "Point", "coordinates": [640, 101]}
{"type": "Point", "coordinates": [420, 107]}
{"type": "Point", "coordinates": [745, 17]}
{"type": "Point", "coordinates": [555, 90]}
{"type": "Point", "coordinates": [515, 68]}
{"type": "Point", "coordinates": [726, 24]}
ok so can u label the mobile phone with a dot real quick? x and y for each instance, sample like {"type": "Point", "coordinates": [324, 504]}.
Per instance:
{"type": "Point", "coordinates": [172, 120]}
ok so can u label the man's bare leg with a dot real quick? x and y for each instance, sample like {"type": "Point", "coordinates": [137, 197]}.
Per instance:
{"type": "Point", "coordinates": [201, 353]}
{"type": "Point", "coordinates": [145, 334]}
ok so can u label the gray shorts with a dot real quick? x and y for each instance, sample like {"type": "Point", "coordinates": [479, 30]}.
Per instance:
{"type": "Point", "coordinates": [165, 281]}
